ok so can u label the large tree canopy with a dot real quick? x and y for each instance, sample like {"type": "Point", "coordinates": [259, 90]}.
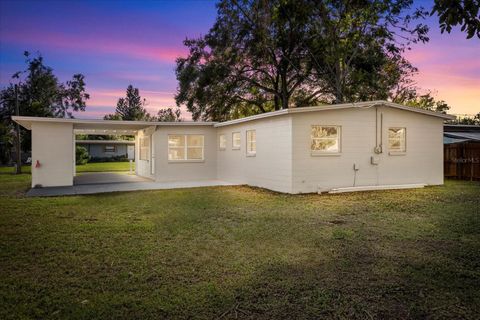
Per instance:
{"type": "Point", "coordinates": [40, 94]}
{"type": "Point", "coordinates": [465, 13]}
{"type": "Point", "coordinates": [263, 55]}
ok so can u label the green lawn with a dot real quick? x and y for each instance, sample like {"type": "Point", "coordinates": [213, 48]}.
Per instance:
{"type": "Point", "coordinates": [239, 252]}
{"type": "Point", "coordinates": [89, 167]}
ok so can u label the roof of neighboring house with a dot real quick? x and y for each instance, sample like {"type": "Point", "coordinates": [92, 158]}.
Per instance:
{"type": "Point", "coordinates": [449, 140]}
{"type": "Point", "coordinates": [456, 133]}
{"type": "Point", "coordinates": [463, 135]}
{"type": "Point", "coordinates": [105, 141]}
{"type": "Point", "coordinates": [461, 128]}
{"type": "Point", "coordinates": [131, 127]}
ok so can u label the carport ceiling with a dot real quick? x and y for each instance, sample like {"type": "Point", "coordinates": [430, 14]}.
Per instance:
{"type": "Point", "coordinates": [103, 131]}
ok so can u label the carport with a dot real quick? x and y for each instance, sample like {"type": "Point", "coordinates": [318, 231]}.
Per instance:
{"type": "Point", "coordinates": [53, 149]}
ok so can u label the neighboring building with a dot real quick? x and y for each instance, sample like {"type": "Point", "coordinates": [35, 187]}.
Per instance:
{"type": "Point", "coordinates": [462, 151]}
{"type": "Point", "coordinates": [108, 148]}
{"type": "Point", "coordinates": [298, 150]}
{"type": "Point", "coordinates": [460, 133]}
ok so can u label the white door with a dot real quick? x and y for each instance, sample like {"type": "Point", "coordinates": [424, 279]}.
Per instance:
{"type": "Point", "coordinates": [152, 155]}
{"type": "Point", "coordinates": [131, 152]}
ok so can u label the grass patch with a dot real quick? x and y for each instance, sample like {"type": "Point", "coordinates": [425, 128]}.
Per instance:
{"type": "Point", "coordinates": [89, 167]}
{"type": "Point", "coordinates": [105, 166]}
{"type": "Point", "coordinates": [240, 252]}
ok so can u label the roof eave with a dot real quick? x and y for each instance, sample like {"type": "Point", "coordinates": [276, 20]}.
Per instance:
{"type": "Point", "coordinates": [26, 122]}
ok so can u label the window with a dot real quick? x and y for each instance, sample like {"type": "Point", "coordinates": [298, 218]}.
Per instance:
{"type": "Point", "coordinates": [251, 142]}
{"type": "Point", "coordinates": [236, 140]}
{"type": "Point", "coordinates": [109, 148]}
{"type": "Point", "coordinates": [144, 148]}
{"type": "Point", "coordinates": [325, 139]}
{"type": "Point", "coordinates": [397, 140]}
{"type": "Point", "coordinates": [185, 147]}
{"type": "Point", "coordinates": [222, 142]}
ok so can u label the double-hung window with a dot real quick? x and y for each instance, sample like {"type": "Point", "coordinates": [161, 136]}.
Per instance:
{"type": "Point", "coordinates": [236, 141]}
{"type": "Point", "coordinates": [251, 143]}
{"type": "Point", "coordinates": [325, 139]}
{"type": "Point", "coordinates": [188, 147]}
{"type": "Point", "coordinates": [222, 142]}
{"type": "Point", "coordinates": [397, 138]}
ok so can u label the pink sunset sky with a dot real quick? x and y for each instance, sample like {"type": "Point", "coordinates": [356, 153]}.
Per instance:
{"type": "Point", "coordinates": [115, 44]}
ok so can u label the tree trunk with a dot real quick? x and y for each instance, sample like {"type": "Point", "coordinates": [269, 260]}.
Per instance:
{"type": "Point", "coordinates": [284, 91]}
{"type": "Point", "coordinates": [276, 103]}
{"type": "Point", "coordinates": [338, 83]}
{"type": "Point", "coordinates": [18, 169]}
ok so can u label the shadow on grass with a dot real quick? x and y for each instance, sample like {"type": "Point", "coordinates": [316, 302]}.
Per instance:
{"type": "Point", "coordinates": [367, 286]}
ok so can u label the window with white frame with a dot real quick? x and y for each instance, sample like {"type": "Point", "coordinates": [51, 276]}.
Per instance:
{"type": "Point", "coordinates": [222, 142]}
{"type": "Point", "coordinates": [251, 142]}
{"type": "Point", "coordinates": [144, 148]}
{"type": "Point", "coordinates": [325, 139]}
{"type": "Point", "coordinates": [397, 139]}
{"type": "Point", "coordinates": [109, 148]}
{"type": "Point", "coordinates": [236, 140]}
{"type": "Point", "coordinates": [185, 147]}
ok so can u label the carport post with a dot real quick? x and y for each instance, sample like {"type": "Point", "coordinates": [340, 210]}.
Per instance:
{"type": "Point", "coordinates": [74, 153]}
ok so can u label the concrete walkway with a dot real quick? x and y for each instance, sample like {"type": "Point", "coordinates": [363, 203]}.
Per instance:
{"type": "Point", "coordinates": [106, 177]}
{"type": "Point", "coordinates": [118, 187]}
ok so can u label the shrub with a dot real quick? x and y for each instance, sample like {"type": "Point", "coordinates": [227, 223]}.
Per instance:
{"type": "Point", "coordinates": [109, 159]}
{"type": "Point", "coordinates": [81, 155]}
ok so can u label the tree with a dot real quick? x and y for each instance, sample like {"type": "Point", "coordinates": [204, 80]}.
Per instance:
{"type": "Point", "coordinates": [250, 56]}
{"type": "Point", "coordinates": [468, 121]}
{"type": "Point", "coordinates": [169, 115]}
{"type": "Point", "coordinates": [264, 55]}
{"type": "Point", "coordinates": [355, 47]}
{"type": "Point", "coordinates": [132, 107]}
{"type": "Point", "coordinates": [40, 94]}
{"type": "Point", "coordinates": [425, 101]}
{"type": "Point", "coordinates": [465, 13]}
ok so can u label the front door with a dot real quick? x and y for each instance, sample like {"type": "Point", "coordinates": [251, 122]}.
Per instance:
{"type": "Point", "coordinates": [131, 152]}
{"type": "Point", "coordinates": [152, 156]}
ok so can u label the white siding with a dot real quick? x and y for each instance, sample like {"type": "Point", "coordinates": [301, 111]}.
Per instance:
{"type": "Point", "coordinates": [167, 171]}
{"type": "Point", "coordinates": [53, 146]}
{"type": "Point", "coordinates": [422, 163]}
{"type": "Point", "coordinates": [271, 167]}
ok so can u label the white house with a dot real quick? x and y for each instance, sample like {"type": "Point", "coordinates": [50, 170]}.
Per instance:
{"type": "Point", "coordinates": [299, 150]}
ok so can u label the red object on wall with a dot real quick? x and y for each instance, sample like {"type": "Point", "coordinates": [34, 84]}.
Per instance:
{"type": "Point", "coordinates": [37, 164]}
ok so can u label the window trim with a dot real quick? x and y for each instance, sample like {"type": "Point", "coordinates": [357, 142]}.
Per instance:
{"type": "Point", "coordinates": [234, 147]}
{"type": "Point", "coordinates": [397, 152]}
{"type": "Point", "coordinates": [320, 153]}
{"type": "Point", "coordinates": [250, 153]}
{"type": "Point", "coordinates": [185, 147]}
{"type": "Point", "coordinates": [220, 142]}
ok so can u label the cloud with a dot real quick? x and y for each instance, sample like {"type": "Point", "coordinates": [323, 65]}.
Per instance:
{"type": "Point", "coordinates": [452, 72]}
{"type": "Point", "coordinates": [92, 45]}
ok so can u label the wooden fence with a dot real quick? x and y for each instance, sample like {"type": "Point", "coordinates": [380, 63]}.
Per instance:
{"type": "Point", "coordinates": [462, 160]}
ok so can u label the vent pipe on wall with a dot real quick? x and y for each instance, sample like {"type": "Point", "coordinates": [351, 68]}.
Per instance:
{"type": "Point", "coordinates": [378, 146]}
